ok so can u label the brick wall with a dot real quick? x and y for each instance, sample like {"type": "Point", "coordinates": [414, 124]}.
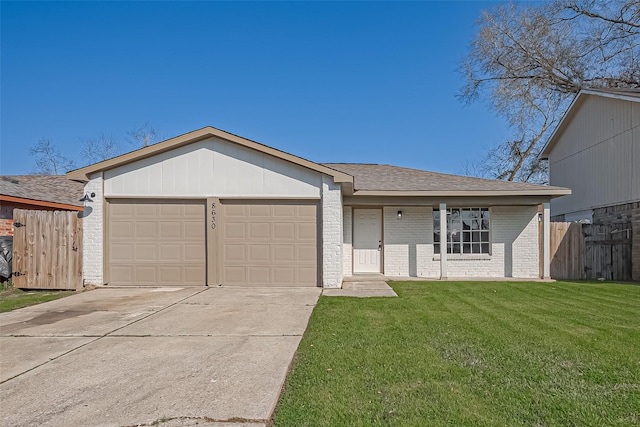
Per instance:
{"type": "Point", "coordinates": [622, 213]}
{"type": "Point", "coordinates": [92, 223]}
{"type": "Point", "coordinates": [408, 245]}
{"type": "Point", "coordinates": [6, 227]}
{"type": "Point", "coordinates": [332, 260]}
{"type": "Point", "coordinates": [347, 239]}
{"type": "Point", "coordinates": [408, 242]}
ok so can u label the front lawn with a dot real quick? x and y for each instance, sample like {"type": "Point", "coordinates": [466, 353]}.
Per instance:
{"type": "Point", "coordinates": [11, 299]}
{"type": "Point", "coordinates": [474, 354]}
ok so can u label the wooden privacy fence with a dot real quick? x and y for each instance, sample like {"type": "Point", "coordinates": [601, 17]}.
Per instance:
{"type": "Point", "coordinates": [47, 249]}
{"type": "Point", "coordinates": [590, 251]}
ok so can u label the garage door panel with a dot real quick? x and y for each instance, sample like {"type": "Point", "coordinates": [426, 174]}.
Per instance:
{"type": "Point", "coordinates": [145, 252]}
{"type": "Point", "coordinates": [259, 230]}
{"type": "Point", "coordinates": [307, 275]}
{"type": "Point", "coordinates": [235, 275]}
{"type": "Point", "coordinates": [279, 248]}
{"type": "Point", "coordinates": [308, 211]}
{"type": "Point", "coordinates": [234, 231]}
{"type": "Point", "coordinates": [193, 253]}
{"type": "Point", "coordinates": [232, 211]}
{"type": "Point", "coordinates": [145, 274]}
{"type": "Point", "coordinates": [237, 253]}
{"type": "Point", "coordinates": [259, 211]}
{"type": "Point", "coordinates": [284, 231]}
{"type": "Point", "coordinates": [122, 252]}
{"type": "Point", "coordinates": [172, 211]}
{"type": "Point", "coordinates": [284, 275]}
{"type": "Point", "coordinates": [169, 253]}
{"type": "Point", "coordinates": [286, 211]}
{"type": "Point", "coordinates": [122, 229]}
{"type": "Point", "coordinates": [169, 274]}
{"type": "Point", "coordinates": [307, 231]}
{"type": "Point", "coordinates": [194, 273]}
{"type": "Point", "coordinates": [307, 253]}
{"type": "Point", "coordinates": [146, 230]}
{"type": "Point", "coordinates": [284, 253]}
{"type": "Point", "coordinates": [192, 230]}
{"type": "Point", "coordinates": [259, 253]}
{"type": "Point", "coordinates": [156, 242]}
{"type": "Point", "coordinates": [145, 210]}
{"type": "Point", "coordinates": [170, 230]}
{"type": "Point", "coordinates": [122, 273]}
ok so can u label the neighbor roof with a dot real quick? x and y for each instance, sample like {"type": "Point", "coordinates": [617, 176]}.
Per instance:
{"type": "Point", "coordinates": [82, 174]}
{"type": "Point", "coordinates": [32, 189]}
{"type": "Point", "coordinates": [623, 94]}
{"type": "Point", "coordinates": [374, 179]}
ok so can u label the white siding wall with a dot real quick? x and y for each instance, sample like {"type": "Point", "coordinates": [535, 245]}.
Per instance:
{"type": "Point", "coordinates": [598, 156]}
{"type": "Point", "coordinates": [332, 258]}
{"type": "Point", "coordinates": [92, 238]}
{"type": "Point", "coordinates": [408, 245]}
{"type": "Point", "coordinates": [212, 167]}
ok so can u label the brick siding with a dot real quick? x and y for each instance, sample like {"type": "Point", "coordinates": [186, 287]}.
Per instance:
{"type": "Point", "coordinates": [92, 225]}
{"type": "Point", "coordinates": [332, 259]}
{"type": "Point", "coordinates": [6, 227]}
{"type": "Point", "coordinates": [408, 245]}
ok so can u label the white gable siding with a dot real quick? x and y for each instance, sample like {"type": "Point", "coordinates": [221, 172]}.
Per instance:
{"type": "Point", "coordinates": [598, 156]}
{"type": "Point", "coordinates": [212, 167]}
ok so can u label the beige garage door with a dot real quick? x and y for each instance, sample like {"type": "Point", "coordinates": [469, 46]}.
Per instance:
{"type": "Point", "coordinates": [156, 242]}
{"type": "Point", "coordinates": [269, 244]}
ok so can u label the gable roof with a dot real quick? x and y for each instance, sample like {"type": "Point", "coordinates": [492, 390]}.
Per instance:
{"type": "Point", "coordinates": [82, 174]}
{"type": "Point", "coordinates": [53, 190]}
{"type": "Point", "coordinates": [623, 94]}
{"type": "Point", "coordinates": [387, 180]}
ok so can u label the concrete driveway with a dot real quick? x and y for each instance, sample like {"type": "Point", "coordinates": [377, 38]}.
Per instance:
{"type": "Point", "coordinates": [135, 357]}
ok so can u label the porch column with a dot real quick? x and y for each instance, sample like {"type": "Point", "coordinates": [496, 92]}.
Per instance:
{"type": "Point", "coordinates": [546, 237]}
{"type": "Point", "coordinates": [443, 240]}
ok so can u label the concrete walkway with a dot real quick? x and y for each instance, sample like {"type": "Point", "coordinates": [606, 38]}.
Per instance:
{"type": "Point", "coordinates": [139, 357]}
{"type": "Point", "coordinates": [362, 289]}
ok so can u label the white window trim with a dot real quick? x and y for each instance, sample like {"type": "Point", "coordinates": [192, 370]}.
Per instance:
{"type": "Point", "coordinates": [466, 256]}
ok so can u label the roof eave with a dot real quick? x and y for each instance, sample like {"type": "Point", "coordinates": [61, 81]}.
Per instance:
{"type": "Point", "coordinates": [551, 192]}
{"type": "Point", "coordinates": [41, 203]}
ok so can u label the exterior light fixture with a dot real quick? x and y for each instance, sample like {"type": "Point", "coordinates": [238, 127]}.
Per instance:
{"type": "Point", "coordinates": [399, 214]}
{"type": "Point", "coordinates": [87, 197]}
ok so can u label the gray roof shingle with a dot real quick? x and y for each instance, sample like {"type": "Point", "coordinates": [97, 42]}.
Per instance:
{"type": "Point", "coordinates": [373, 177]}
{"type": "Point", "coordinates": [47, 188]}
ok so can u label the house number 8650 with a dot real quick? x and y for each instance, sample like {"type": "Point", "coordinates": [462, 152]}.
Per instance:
{"type": "Point", "coordinates": [213, 216]}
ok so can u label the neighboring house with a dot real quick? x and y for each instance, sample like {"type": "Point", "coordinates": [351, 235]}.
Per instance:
{"type": "Point", "coordinates": [36, 192]}
{"type": "Point", "coordinates": [213, 208]}
{"type": "Point", "coordinates": [595, 151]}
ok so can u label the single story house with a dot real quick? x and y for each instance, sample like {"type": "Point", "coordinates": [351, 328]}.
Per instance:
{"type": "Point", "coordinates": [212, 208]}
{"type": "Point", "coordinates": [36, 192]}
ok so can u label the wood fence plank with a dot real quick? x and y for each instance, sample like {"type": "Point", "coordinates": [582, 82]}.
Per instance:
{"type": "Point", "coordinates": [48, 250]}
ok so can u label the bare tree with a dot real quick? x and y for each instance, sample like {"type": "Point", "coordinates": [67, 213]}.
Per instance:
{"type": "Point", "coordinates": [530, 61]}
{"type": "Point", "coordinates": [99, 148]}
{"type": "Point", "coordinates": [49, 159]}
{"type": "Point", "coordinates": [142, 135]}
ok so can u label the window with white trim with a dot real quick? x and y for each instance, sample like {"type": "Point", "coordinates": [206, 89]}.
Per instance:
{"type": "Point", "coordinates": [468, 231]}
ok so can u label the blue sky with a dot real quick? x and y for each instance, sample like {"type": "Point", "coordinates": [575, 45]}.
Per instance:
{"type": "Point", "coordinates": [371, 82]}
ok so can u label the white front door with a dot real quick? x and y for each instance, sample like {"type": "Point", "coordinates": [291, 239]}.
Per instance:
{"type": "Point", "coordinates": [367, 240]}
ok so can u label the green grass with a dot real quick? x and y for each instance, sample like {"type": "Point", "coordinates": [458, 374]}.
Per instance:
{"type": "Point", "coordinates": [11, 299]}
{"type": "Point", "coordinates": [470, 354]}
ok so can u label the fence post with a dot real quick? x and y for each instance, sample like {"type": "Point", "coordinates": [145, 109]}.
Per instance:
{"type": "Point", "coordinates": [546, 236]}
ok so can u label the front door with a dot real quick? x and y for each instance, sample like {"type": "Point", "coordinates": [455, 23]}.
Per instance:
{"type": "Point", "coordinates": [367, 240]}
